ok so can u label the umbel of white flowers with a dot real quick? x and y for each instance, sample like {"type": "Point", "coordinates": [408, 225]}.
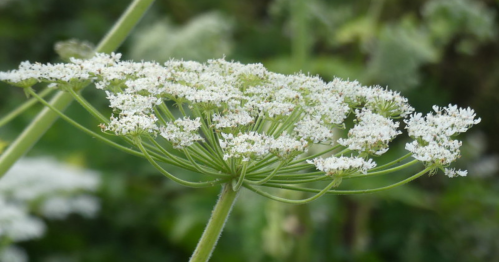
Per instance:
{"type": "Point", "coordinates": [44, 187]}
{"type": "Point", "coordinates": [241, 122]}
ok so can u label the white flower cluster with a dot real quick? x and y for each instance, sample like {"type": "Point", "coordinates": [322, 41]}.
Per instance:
{"type": "Point", "coordinates": [433, 135]}
{"type": "Point", "coordinates": [29, 74]}
{"type": "Point", "coordinates": [244, 145]}
{"type": "Point", "coordinates": [314, 130]}
{"type": "Point", "coordinates": [132, 103]}
{"type": "Point", "coordinates": [182, 133]}
{"type": "Point", "coordinates": [55, 188]}
{"type": "Point", "coordinates": [254, 145]}
{"type": "Point", "coordinates": [132, 124]}
{"type": "Point", "coordinates": [337, 166]}
{"type": "Point", "coordinates": [16, 224]}
{"type": "Point", "coordinates": [232, 120]}
{"type": "Point", "coordinates": [372, 133]}
{"type": "Point", "coordinates": [251, 112]}
{"type": "Point", "coordinates": [45, 187]}
{"type": "Point", "coordinates": [287, 147]}
{"type": "Point", "coordinates": [13, 254]}
{"type": "Point", "coordinates": [377, 99]}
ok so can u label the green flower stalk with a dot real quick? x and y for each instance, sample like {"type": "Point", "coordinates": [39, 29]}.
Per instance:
{"type": "Point", "coordinates": [240, 126]}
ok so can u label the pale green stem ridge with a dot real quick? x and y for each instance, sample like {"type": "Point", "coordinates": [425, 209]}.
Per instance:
{"type": "Point", "coordinates": [386, 171]}
{"type": "Point", "coordinates": [160, 117]}
{"type": "Point", "coordinates": [85, 104]}
{"type": "Point", "coordinates": [269, 177]}
{"type": "Point", "coordinates": [172, 159]}
{"type": "Point", "coordinates": [300, 181]}
{"type": "Point", "coordinates": [392, 162]}
{"type": "Point", "coordinates": [292, 201]}
{"type": "Point", "coordinates": [167, 112]}
{"type": "Point", "coordinates": [314, 155]}
{"type": "Point", "coordinates": [266, 161]}
{"type": "Point", "coordinates": [213, 230]}
{"type": "Point", "coordinates": [202, 170]}
{"type": "Point", "coordinates": [237, 186]}
{"type": "Point", "coordinates": [172, 177]}
{"type": "Point", "coordinates": [353, 192]}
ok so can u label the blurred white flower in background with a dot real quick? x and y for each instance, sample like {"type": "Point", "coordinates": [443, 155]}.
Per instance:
{"type": "Point", "coordinates": [13, 254]}
{"type": "Point", "coordinates": [205, 36]}
{"type": "Point", "coordinates": [45, 187]}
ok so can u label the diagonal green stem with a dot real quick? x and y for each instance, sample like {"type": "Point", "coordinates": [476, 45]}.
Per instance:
{"type": "Point", "coordinates": [172, 177]}
{"type": "Point", "coordinates": [61, 100]}
{"type": "Point", "coordinates": [4, 120]}
{"type": "Point", "coordinates": [333, 183]}
{"type": "Point", "coordinates": [123, 26]}
{"type": "Point", "coordinates": [33, 132]}
{"type": "Point", "coordinates": [213, 230]}
{"type": "Point", "coordinates": [345, 192]}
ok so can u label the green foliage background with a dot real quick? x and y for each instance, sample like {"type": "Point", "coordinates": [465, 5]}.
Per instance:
{"type": "Point", "coordinates": [434, 52]}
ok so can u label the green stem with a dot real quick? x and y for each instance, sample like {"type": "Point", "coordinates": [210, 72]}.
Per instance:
{"type": "Point", "coordinates": [213, 230]}
{"type": "Point", "coordinates": [172, 177]}
{"type": "Point", "coordinates": [301, 40]}
{"type": "Point", "coordinates": [333, 183]}
{"type": "Point", "coordinates": [85, 104]}
{"type": "Point", "coordinates": [314, 155]}
{"type": "Point", "coordinates": [383, 172]}
{"type": "Point", "coordinates": [61, 100]}
{"type": "Point", "coordinates": [298, 181]}
{"type": "Point", "coordinates": [123, 26]}
{"type": "Point", "coordinates": [269, 177]}
{"type": "Point", "coordinates": [237, 186]}
{"type": "Point", "coordinates": [24, 106]}
{"type": "Point", "coordinates": [347, 192]}
{"type": "Point", "coordinates": [33, 132]}
{"type": "Point", "coordinates": [396, 161]}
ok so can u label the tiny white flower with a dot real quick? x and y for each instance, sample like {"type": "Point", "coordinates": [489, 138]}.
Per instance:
{"type": "Point", "coordinates": [342, 165]}
{"type": "Point", "coordinates": [134, 124]}
{"type": "Point", "coordinates": [286, 146]}
{"type": "Point", "coordinates": [232, 119]}
{"type": "Point", "coordinates": [451, 172]}
{"type": "Point", "coordinates": [372, 133]}
{"type": "Point", "coordinates": [132, 103]}
{"type": "Point", "coordinates": [182, 133]}
{"type": "Point", "coordinates": [313, 130]}
{"type": "Point", "coordinates": [244, 145]}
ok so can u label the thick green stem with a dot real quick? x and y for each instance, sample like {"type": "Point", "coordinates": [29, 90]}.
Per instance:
{"type": "Point", "coordinates": [33, 132]}
{"type": "Point", "coordinates": [213, 230]}
{"type": "Point", "coordinates": [61, 100]}
{"type": "Point", "coordinates": [123, 26]}
{"type": "Point", "coordinates": [4, 120]}
{"type": "Point", "coordinates": [301, 42]}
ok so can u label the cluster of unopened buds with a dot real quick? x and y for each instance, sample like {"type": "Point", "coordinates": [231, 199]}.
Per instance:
{"type": "Point", "coordinates": [241, 124]}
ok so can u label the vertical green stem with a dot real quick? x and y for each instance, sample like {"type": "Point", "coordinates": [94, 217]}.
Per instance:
{"type": "Point", "coordinates": [213, 230]}
{"type": "Point", "coordinates": [301, 41]}
{"type": "Point", "coordinates": [61, 100]}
